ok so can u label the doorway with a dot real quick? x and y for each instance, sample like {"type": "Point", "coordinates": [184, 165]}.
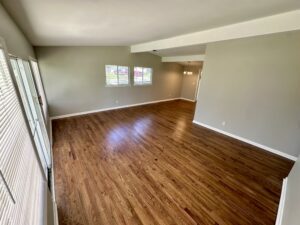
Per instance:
{"type": "Point", "coordinates": [191, 79]}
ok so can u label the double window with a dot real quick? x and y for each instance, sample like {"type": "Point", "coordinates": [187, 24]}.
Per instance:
{"type": "Point", "coordinates": [120, 76]}
{"type": "Point", "coordinates": [117, 75]}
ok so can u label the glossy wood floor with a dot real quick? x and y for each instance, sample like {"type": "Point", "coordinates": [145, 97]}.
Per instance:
{"type": "Point", "coordinates": [151, 165]}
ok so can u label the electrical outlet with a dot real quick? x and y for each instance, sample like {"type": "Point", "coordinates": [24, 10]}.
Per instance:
{"type": "Point", "coordinates": [224, 123]}
{"type": "Point", "coordinates": [117, 101]}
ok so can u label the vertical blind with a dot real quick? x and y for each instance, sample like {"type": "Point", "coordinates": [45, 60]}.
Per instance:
{"type": "Point", "coordinates": [22, 184]}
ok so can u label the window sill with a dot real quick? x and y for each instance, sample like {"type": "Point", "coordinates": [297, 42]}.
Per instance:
{"type": "Point", "coordinates": [116, 86]}
{"type": "Point", "coordinates": [137, 85]}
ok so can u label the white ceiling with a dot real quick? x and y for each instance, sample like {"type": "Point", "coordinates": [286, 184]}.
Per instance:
{"type": "Point", "coordinates": [182, 51]}
{"type": "Point", "coordinates": [127, 22]}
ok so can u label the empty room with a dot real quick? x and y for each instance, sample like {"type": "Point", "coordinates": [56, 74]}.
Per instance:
{"type": "Point", "coordinates": [143, 112]}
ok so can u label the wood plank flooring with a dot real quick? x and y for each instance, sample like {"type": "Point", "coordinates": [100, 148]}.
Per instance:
{"type": "Point", "coordinates": [150, 165]}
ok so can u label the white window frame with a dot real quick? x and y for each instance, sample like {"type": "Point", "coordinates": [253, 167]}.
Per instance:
{"type": "Point", "coordinates": [36, 73]}
{"type": "Point", "coordinates": [117, 85]}
{"type": "Point", "coordinates": [143, 84]}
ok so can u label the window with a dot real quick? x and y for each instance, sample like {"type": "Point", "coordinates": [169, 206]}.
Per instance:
{"type": "Point", "coordinates": [142, 76]}
{"type": "Point", "coordinates": [117, 75]}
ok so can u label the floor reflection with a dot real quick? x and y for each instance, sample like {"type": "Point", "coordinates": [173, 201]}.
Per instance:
{"type": "Point", "coordinates": [124, 133]}
{"type": "Point", "coordinates": [180, 127]}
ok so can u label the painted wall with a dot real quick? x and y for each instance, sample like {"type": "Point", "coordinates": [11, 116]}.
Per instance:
{"type": "Point", "coordinates": [16, 41]}
{"type": "Point", "coordinates": [253, 84]}
{"type": "Point", "coordinates": [18, 45]}
{"type": "Point", "coordinates": [74, 78]}
{"type": "Point", "coordinates": [291, 214]}
{"type": "Point", "coordinates": [189, 82]}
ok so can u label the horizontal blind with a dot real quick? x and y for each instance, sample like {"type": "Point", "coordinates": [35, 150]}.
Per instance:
{"type": "Point", "coordinates": [21, 179]}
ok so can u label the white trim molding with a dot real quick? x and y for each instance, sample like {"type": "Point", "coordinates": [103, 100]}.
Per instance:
{"type": "Point", "coordinates": [280, 211]}
{"type": "Point", "coordinates": [110, 108]}
{"type": "Point", "coordinates": [283, 22]}
{"type": "Point", "coordinates": [277, 152]}
{"type": "Point", "coordinates": [184, 58]}
{"type": "Point", "coordinates": [55, 213]}
{"type": "Point", "coordinates": [51, 135]}
{"type": "Point", "coordinates": [187, 99]}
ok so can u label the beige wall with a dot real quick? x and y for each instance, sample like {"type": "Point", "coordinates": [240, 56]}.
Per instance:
{"type": "Point", "coordinates": [253, 84]}
{"type": "Point", "coordinates": [16, 42]}
{"type": "Point", "coordinates": [291, 214]}
{"type": "Point", "coordinates": [18, 45]}
{"type": "Point", "coordinates": [74, 78]}
{"type": "Point", "coordinates": [190, 82]}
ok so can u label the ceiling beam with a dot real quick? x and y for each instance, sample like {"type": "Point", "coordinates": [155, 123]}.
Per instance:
{"type": "Point", "coordinates": [283, 22]}
{"type": "Point", "coordinates": [184, 58]}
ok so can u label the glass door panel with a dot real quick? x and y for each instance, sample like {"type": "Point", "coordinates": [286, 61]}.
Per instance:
{"type": "Point", "coordinates": [33, 109]}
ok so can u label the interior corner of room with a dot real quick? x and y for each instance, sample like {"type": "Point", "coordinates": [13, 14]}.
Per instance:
{"type": "Point", "coordinates": [194, 120]}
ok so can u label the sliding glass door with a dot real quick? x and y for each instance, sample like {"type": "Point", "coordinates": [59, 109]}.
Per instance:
{"type": "Point", "coordinates": [33, 109]}
{"type": "Point", "coordinates": [23, 183]}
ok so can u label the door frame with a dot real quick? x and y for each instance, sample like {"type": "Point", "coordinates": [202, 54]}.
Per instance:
{"type": "Point", "coordinates": [198, 84]}
{"type": "Point", "coordinates": [36, 85]}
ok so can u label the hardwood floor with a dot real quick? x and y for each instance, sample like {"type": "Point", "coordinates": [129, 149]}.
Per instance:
{"type": "Point", "coordinates": [151, 165]}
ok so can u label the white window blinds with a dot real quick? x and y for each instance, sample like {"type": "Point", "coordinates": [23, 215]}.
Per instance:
{"type": "Point", "coordinates": [22, 184]}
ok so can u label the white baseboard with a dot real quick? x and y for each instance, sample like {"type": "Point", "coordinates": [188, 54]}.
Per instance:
{"type": "Point", "coordinates": [277, 152]}
{"type": "Point", "coordinates": [110, 108]}
{"type": "Point", "coordinates": [55, 213]}
{"type": "Point", "coordinates": [186, 99]}
{"type": "Point", "coordinates": [282, 202]}
{"type": "Point", "coordinates": [51, 136]}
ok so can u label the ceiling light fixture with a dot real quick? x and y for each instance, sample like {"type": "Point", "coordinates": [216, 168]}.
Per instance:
{"type": "Point", "coordinates": [187, 72]}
